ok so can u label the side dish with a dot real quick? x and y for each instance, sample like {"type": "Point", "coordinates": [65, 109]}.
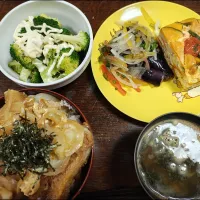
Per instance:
{"type": "Point", "coordinates": [168, 161]}
{"type": "Point", "coordinates": [44, 51]}
{"type": "Point", "coordinates": [180, 42]}
{"type": "Point", "coordinates": [133, 54]}
{"type": "Point", "coordinates": [43, 146]}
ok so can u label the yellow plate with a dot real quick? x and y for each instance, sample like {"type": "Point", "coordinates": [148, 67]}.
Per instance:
{"type": "Point", "coordinates": [151, 101]}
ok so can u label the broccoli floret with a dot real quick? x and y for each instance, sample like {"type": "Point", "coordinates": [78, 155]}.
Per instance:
{"type": "Point", "coordinates": [23, 30]}
{"type": "Point", "coordinates": [69, 63]}
{"type": "Point", "coordinates": [18, 55]}
{"type": "Point", "coordinates": [80, 41]}
{"type": "Point", "coordinates": [66, 31]}
{"type": "Point", "coordinates": [39, 20]}
{"type": "Point", "coordinates": [35, 77]}
{"type": "Point", "coordinates": [15, 66]}
{"type": "Point", "coordinates": [46, 77]}
{"type": "Point", "coordinates": [51, 56]}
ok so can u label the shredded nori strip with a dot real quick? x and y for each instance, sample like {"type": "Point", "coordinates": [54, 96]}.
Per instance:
{"type": "Point", "coordinates": [26, 148]}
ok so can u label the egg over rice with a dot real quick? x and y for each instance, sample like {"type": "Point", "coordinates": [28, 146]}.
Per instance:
{"type": "Point", "coordinates": [70, 147]}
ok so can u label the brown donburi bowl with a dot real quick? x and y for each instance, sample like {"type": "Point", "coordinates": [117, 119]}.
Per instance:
{"type": "Point", "coordinates": [83, 176]}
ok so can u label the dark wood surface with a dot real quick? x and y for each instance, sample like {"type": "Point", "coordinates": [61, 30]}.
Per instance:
{"type": "Point", "coordinates": [115, 134]}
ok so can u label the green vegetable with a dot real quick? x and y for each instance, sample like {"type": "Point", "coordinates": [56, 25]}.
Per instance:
{"type": "Point", "coordinates": [67, 66]}
{"type": "Point", "coordinates": [104, 51]}
{"type": "Point", "coordinates": [35, 76]}
{"type": "Point", "coordinates": [80, 41]}
{"type": "Point", "coordinates": [39, 20]}
{"type": "Point", "coordinates": [51, 56]}
{"type": "Point", "coordinates": [153, 46]}
{"type": "Point", "coordinates": [24, 74]}
{"type": "Point", "coordinates": [17, 54]}
{"type": "Point", "coordinates": [66, 31]}
{"type": "Point", "coordinates": [39, 64]}
{"type": "Point", "coordinates": [69, 63]}
{"type": "Point", "coordinates": [23, 30]}
{"type": "Point", "coordinates": [15, 66]}
{"type": "Point", "coordinates": [194, 34]}
{"type": "Point", "coordinates": [142, 45]}
{"type": "Point", "coordinates": [47, 77]}
{"type": "Point", "coordinates": [37, 69]}
{"type": "Point", "coordinates": [26, 148]}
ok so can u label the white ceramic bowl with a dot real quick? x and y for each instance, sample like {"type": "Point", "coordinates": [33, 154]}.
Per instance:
{"type": "Point", "coordinates": [69, 15]}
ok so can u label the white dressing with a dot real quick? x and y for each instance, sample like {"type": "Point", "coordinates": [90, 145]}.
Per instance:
{"type": "Point", "coordinates": [51, 67]}
{"type": "Point", "coordinates": [65, 54]}
{"type": "Point", "coordinates": [45, 52]}
{"type": "Point", "coordinates": [38, 41]}
{"type": "Point", "coordinates": [58, 48]}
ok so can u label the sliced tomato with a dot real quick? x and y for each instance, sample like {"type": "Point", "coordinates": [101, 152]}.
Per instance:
{"type": "Point", "coordinates": [192, 46]}
{"type": "Point", "coordinates": [108, 76]}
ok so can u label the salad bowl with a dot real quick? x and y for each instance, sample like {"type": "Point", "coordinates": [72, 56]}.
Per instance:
{"type": "Point", "coordinates": [67, 14]}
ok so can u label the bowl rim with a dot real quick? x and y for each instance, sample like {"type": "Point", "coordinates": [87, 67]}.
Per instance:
{"type": "Point", "coordinates": [91, 156]}
{"type": "Point", "coordinates": [148, 190]}
{"type": "Point", "coordinates": [69, 76]}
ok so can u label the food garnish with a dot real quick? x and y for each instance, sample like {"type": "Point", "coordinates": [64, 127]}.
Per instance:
{"type": "Point", "coordinates": [27, 147]}
{"type": "Point", "coordinates": [44, 51]}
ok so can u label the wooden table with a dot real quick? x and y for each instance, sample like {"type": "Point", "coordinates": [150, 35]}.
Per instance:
{"type": "Point", "coordinates": [115, 134]}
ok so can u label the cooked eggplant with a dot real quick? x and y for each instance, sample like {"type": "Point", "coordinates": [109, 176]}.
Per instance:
{"type": "Point", "coordinates": [159, 69]}
{"type": "Point", "coordinates": [153, 76]}
{"type": "Point", "coordinates": [161, 64]}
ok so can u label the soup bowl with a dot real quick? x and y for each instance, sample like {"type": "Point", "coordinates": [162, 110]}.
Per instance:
{"type": "Point", "coordinates": [167, 160]}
